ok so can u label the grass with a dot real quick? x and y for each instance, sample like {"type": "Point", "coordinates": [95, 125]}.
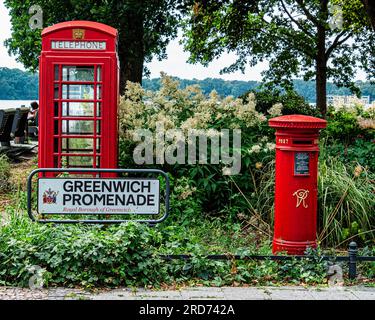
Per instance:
{"type": "Point", "coordinates": [4, 174]}
{"type": "Point", "coordinates": [346, 203]}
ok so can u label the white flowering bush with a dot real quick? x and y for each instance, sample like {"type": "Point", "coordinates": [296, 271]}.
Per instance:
{"type": "Point", "coordinates": [186, 109]}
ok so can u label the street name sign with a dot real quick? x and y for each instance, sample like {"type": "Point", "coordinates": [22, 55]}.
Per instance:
{"type": "Point", "coordinates": [98, 196]}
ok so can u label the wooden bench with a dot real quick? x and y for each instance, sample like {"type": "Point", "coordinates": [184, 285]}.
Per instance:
{"type": "Point", "coordinates": [6, 124]}
{"type": "Point", "coordinates": [19, 127]}
{"type": "Point", "coordinates": [13, 123]}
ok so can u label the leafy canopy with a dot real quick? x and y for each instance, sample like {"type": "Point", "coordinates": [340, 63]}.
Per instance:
{"type": "Point", "coordinates": [286, 34]}
{"type": "Point", "coordinates": [145, 27]}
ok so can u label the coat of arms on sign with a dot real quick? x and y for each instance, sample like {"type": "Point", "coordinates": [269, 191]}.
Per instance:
{"type": "Point", "coordinates": [78, 34]}
{"type": "Point", "coordinates": [50, 196]}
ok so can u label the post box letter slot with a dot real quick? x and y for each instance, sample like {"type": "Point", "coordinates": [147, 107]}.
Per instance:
{"type": "Point", "coordinates": [301, 163]}
{"type": "Point", "coordinates": [302, 142]}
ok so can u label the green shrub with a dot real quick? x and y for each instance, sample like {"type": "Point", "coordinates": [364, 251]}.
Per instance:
{"type": "Point", "coordinates": [310, 271]}
{"type": "Point", "coordinates": [342, 125]}
{"type": "Point", "coordinates": [347, 124]}
{"type": "Point", "coordinates": [360, 151]}
{"type": "Point", "coordinates": [81, 255]}
{"type": "Point", "coordinates": [185, 200]}
{"type": "Point", "coordinates": [367, 269]}
{"type": "Point", "coordinates": [4, 173]}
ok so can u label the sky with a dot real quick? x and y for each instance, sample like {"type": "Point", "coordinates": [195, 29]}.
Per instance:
{"type": "Point", "coordinates": [174, 65]}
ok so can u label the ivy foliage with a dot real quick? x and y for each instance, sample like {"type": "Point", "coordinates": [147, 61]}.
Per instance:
{"type": "Point", "coordinates": [129, 255]}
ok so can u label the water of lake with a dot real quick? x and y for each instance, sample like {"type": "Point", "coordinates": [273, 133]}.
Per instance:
{"type": "Point", "coordinates": [5, 104]}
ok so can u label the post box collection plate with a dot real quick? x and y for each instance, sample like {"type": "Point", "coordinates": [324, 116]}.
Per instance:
{"type": "Point", "coordinates": [301, 163]}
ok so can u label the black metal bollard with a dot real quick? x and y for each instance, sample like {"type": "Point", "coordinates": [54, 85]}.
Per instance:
{"type": "Point", "coordinates": [353, 250]}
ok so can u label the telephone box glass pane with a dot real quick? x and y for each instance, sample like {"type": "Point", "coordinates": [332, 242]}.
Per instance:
{"type": "Point", "coordinates": [55, 145]}
{"type": "Point", "coordinates": [99, 73]}
{"type": "Point", "coordinates": [78, 73]}
{"type": "Point", "coordinates": [78, 91]}
{"type": "Point", "coordinates": [98, 145]}
{"type": "Point", "coordinates": [56, 72]}
{"type": "Point", "coordinates": [99, 92]}
{"type": "Point", "coordinates": [98, 109]}
{"type": "Point", "coordinates": [56, 127]}
{"type": "Point", "coordinates": [56, 91]}
{"type": "Point", "coordinates": [77, 161]}
{"type": "Point", "coordinates": [79, 127]}
{"type": "Point", "coordinates": [56, 109]}
{"type": "Point", "coordinates": [78, 109]}
{"type": "Point", "coordinates": [78, 144]}
{"type": "Point", "coordinates": [98, 130]}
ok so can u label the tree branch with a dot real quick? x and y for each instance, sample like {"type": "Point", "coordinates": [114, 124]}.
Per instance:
{"type": "Point", "coordinates": [307, 13]}
{"type": "Point", "coordinates": [337, 42]}
{"type": "Point", "coordinates": [287, 42]}
{"type": "Point", "coordinates": [296, 22]}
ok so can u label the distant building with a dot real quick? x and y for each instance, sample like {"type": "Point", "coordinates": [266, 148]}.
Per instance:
{"type": "Point", "coordinates": [348, 100]}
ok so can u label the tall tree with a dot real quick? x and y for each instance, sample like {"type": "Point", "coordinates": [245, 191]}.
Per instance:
{"type": "Point", "coordinates": [305, 38]}
{"type": "Point", "coordinates": [145, 28]}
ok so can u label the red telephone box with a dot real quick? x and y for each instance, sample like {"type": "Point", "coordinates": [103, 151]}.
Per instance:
{"type": "Point", "coordinates": [296, 182]}
{"type": "Point", "coordinates": [78, 92]}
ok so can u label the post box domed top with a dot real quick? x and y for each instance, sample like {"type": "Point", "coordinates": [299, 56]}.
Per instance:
{"type": "Point", "coordinates": [100, 27]}
{"type": "Point", "coordinates": [297, 121]}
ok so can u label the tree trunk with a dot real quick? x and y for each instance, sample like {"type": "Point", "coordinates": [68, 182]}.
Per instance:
{"type": "Point", "coordinates": [370, 9]}
{"type": "Point", "coordinates": [321, 67]}
{"type": "Point", "coordinates": [131, 49]}
{"type": "Point", "coordinates": [321, 82]}
{"type": "Point", "coordinates": [131, 67]}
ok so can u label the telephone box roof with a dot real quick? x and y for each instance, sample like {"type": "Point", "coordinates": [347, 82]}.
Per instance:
{"type": "Point", "coordinates": [81, 24]}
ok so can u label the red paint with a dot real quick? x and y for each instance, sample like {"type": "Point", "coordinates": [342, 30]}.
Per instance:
{"type": "Point", "coordinates": [70, 100]}
{"type": "Point", "coordinates": [296, 191]}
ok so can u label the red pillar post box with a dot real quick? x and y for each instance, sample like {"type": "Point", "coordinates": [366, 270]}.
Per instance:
{"type": "Point", "coordinates": [79, 76]}
{"type": "Point", "coordinates": [296, 182]}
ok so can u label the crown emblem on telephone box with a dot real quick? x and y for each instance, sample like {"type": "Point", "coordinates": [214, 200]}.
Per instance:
{"type": "Point", "coordinates": [78, 34]}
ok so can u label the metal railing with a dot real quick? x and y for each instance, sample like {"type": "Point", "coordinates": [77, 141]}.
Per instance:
{"type": "Point", "coordinates": [352, 258]}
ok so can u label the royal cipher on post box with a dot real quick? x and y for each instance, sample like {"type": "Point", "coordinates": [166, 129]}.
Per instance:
{"type": "Point", "coordinates": [79, 77]}
{"type": "Point", "coordinates": [296, 182]}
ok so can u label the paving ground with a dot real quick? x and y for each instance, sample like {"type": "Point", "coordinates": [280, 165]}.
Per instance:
{"type": "Point", "coordinates": [206, 293]}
